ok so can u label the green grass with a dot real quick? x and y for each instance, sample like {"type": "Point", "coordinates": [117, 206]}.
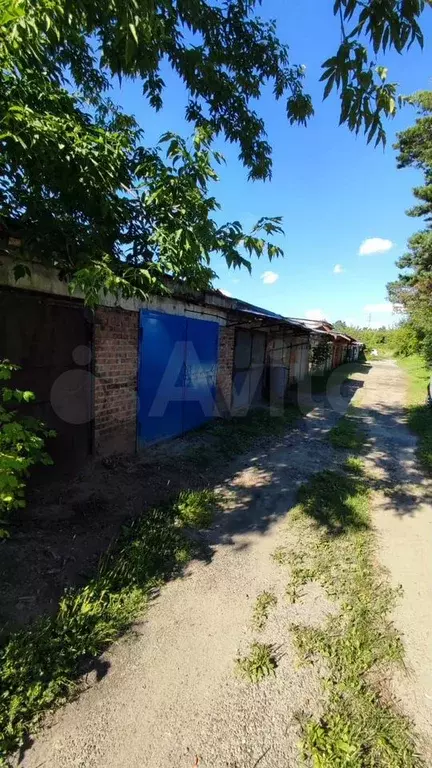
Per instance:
{"type": "Point", "coordinates": [347, 435]}
{"type": "Point", "coordinates": [334, 545]}
{"type": "Point", "coordinates": [419, 411]}
{"type": "Point", "coordinates": [227, 438]}
{"type": "Point", "coordinates": [354, 465]}
{"type": "Point", "coordinates": [259, 663]}
{"type": "Point", "coordinates": [39, 666]}
{"type": "Point", "coordinates": [196, 508]}
{"type": "Point", "coordinates": [263, 603]}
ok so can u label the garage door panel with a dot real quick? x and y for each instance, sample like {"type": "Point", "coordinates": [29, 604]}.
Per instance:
{"type": "Point", "coordinates": [177, 374]}
{"type": "Point", "coordinates": [161, 376]}
{"type": "Point", "coordinates": [202, 341]}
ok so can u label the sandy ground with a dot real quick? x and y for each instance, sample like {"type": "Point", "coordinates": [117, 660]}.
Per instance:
{"type": "Point", "coordinates": [168, 694]}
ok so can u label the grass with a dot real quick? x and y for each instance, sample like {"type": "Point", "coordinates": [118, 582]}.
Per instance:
{"type": "Point", "coordinates": [39, 665]}
{"type": "Point", "coordinates": [354, 465]}
{"type": "Point", "coordinates": [259, 663]}
{"type": "Point", "coordinates": [263, 603]}
{"type": "Point", "coordinates": [334, 545]}
{"type": "Point", "coordinates": [347, 435]}
{"type": "Point", "coordinates": [419, 411]}
{"type": "Point", "coordinates": [227, 438]}
{"type": "Point", "coordinates": [196, 508]}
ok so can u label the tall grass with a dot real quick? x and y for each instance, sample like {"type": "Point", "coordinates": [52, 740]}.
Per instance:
{"type": "Point", "coordinates": [39, 665]}
{"type": "Point", "coordinates": [419, 411]}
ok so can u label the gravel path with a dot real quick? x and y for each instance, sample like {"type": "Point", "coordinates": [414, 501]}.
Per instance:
{"type": "Point", "coordinates": [403, 519]}
{"type": "Point", "coordinates": [168, 694]}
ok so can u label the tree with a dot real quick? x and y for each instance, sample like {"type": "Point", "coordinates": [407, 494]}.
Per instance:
{"type": "Point", "coordinates": [413, 290]}
{"type": "Point", "coordinates": [74, 175]}
{"type": "Point", "coordinates": [340, 326]}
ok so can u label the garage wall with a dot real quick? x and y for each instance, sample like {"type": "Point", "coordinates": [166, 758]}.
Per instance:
{"type": "Point", "coordinates": [115, 389]}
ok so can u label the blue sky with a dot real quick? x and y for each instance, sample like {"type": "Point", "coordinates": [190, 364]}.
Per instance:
{"type": "Point", "coordinates": [333, 191]}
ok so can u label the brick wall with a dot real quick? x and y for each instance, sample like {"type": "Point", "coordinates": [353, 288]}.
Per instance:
{"type": "Point", "coordinates": [116, 369]}
{"type": "Point", "coordinates": [225, 370]}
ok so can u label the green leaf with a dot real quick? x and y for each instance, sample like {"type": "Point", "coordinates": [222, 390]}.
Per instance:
{"type": "Point", "coordinates": [134, 33]}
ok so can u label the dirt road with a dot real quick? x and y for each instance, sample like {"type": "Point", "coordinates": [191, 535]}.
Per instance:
{"type": "Point", "coordinates": [168, 694]}
{"type": "Point", "coordinates": [403, 519]}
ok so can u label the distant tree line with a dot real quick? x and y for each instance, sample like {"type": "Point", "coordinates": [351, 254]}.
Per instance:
{"type": "Point", "coordinates": [402, 340]}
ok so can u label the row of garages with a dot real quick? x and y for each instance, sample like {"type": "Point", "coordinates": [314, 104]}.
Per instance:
{"type": "Point", "coordinates": [133, 373]}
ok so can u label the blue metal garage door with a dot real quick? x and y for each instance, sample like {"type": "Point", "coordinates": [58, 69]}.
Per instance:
{"type": "Point", "coordinates": [177, 374]}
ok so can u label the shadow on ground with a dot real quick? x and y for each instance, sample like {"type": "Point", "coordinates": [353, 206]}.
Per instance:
{"type": "Point", "coordinates": [56, 543]}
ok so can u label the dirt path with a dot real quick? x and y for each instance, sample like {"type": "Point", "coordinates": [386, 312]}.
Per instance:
{"type": "Point", "coordinates": [168, 694]}
{"type": "Point", "coordinates": [403, 519]}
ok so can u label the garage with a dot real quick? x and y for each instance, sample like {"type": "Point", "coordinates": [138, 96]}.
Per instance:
{"type": "Point", "coordinates": [178, 358]}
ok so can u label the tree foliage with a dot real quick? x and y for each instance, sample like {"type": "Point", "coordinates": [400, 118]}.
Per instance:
{"type": "Point", "coordinates": [413, 289]}
{"type": "Point", "coordinates": [75, 176]}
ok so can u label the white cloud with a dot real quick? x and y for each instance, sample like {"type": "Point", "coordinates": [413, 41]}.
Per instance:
{"type": "Point", "coordinates": [269, 277]}
{"type": "Point", "coordinates": [225, 293]}
{"type": "Point", "coordinates": [315, 314]}
{"type": "Point", "coordinates": [375, 245]}
{"type": "Point", "coordinates": [383, 308]}
{"type": "Point", "coordinates": [338, 269]}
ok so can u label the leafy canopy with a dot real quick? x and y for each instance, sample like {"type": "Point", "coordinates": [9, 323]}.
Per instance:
{"type": "Point", "coordinates": [88, 196]}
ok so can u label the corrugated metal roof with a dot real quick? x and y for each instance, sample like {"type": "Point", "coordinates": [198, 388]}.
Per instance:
{"type": "Point", "coordinates": [252, 309]}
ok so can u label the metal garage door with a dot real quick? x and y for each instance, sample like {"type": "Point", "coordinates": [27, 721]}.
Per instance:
{"type": "Point", "coordinates": [249, 358]}
{"type": "Point", "coordinates": [50, 338]}
{"type": "Point", "coordinates": [177, 374]}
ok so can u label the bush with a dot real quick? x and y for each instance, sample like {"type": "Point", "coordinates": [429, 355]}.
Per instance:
{"type": "Point", "coordinates": [405, 340]}
{"type": "Point", "coordinates": [22, 443]}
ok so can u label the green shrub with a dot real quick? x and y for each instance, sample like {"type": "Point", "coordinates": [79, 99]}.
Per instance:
{"type": "Point", "coordinates": [22, 443]}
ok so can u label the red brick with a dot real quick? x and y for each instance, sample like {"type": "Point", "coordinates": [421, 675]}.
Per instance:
{"type": "Point", "coordinates": [116, 368]}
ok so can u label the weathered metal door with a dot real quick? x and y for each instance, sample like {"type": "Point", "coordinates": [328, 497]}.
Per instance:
{"type": "Point", "coordinates": [50, 338]}
{"type": "Point", "coordinates": [248, 378]}
{"type": "Point", "coordinates": [177, 374]}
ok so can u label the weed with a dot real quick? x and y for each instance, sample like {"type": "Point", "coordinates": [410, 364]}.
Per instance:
{"type": "Point", "coordinates": [419, 411]}
{"type": "Point", "coordinates": [196, 508]}
{"type": "Point", "coordinates": [264, 602]}
{"type": "Point", "coordinates": [347, 434]}
{"type": "Point", "coordinates": [354, 465]}
{"type": "Point", "coordinates": [260, 662]}
{"type": "Point", "coordinates": [280, 555]}
{"type": "Point", "coordinates": [38, 666]}
{"type": "Point", "coordinates": [334, 546]}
